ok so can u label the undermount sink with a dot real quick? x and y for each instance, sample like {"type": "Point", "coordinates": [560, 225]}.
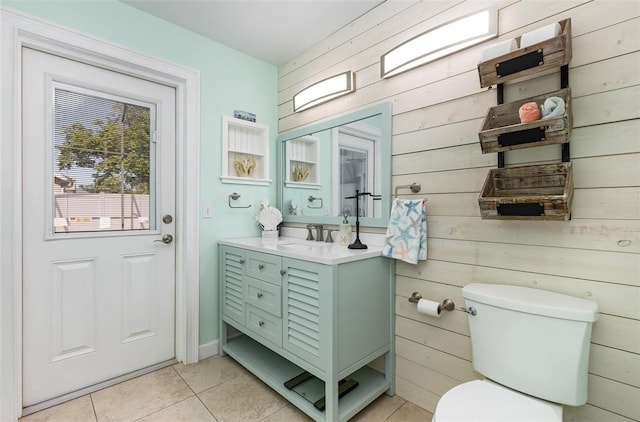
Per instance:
{"type": "Point", "coordinates": [297, 246]}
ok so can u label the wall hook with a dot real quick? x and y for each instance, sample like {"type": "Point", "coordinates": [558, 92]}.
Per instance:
{"type": "Point", "coordinates": [235, 197]}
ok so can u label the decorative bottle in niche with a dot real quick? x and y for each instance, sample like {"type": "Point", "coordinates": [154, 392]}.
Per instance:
{"type": "Point", "coordinates": [345, 232]}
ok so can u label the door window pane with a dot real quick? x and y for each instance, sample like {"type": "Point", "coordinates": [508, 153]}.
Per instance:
{"type": "Point", "coordinates": [353, 175]}
{"type": "Point", "coordinates": [102, 170]}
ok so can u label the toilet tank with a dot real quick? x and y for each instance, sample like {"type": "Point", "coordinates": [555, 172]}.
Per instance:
{"type": "Point", "coordinates": [533, 341]}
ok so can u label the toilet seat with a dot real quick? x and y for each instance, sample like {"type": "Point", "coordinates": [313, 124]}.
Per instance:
{"type": "Point", "coordinates": [480, 401]}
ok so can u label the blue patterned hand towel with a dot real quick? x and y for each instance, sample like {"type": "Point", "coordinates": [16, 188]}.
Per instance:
{"type": "Point", "coordinates": [406, 237]}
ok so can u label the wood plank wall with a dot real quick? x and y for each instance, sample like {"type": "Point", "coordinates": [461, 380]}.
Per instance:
{"type": "Point", "coordinates": [437, 112]}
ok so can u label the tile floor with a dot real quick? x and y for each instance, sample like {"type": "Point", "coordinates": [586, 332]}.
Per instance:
{"type": "Point", "coordinates": [216, 389]}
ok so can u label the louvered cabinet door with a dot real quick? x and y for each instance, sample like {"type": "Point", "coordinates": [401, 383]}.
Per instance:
{"type": "Point", "coordinates": [307, 310]}
{"type": "Point", "coordinates": [233, 303]}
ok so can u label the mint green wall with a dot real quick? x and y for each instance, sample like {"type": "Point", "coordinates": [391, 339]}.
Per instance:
{"type": "Point", "coordinates": [229, 80]}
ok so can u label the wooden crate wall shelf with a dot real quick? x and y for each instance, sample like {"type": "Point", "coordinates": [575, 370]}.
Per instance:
{"type": "Point", "coordinates": [535, 192]}
{"type": "Point", "coordinates": [502, 130]}
{"type": "Point", "coordinates": [527, 61]}
{"type": "Point", "coordinates": [539, 192]}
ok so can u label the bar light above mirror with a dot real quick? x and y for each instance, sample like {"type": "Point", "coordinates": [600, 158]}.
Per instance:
{"type": "Point", "coordinates": [440, 41]}
{"type": "Point", "coordinates": [325, 90]}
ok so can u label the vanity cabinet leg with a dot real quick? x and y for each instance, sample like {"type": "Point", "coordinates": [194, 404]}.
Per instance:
{"type": "Point", "coordinates": [222, 338]}
{"type": "Point", "coordinates": [389, 363]}
{"type": "Point", "coordinates": [331, 397]}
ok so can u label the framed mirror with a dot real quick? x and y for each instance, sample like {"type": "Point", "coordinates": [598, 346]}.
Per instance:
{"type": "Point", "coordinates": [323, 163]}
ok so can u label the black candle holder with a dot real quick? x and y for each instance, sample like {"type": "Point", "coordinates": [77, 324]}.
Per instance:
{"type": "Point", "coordinates": [357, 244]}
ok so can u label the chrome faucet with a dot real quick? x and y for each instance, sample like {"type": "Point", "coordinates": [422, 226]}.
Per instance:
{"type": "Point", "coordinates": [329, 238]}
{"type": "Point", "coordinates": [309, 234]}
{"type": "Point", "coordinates": [319, 232]}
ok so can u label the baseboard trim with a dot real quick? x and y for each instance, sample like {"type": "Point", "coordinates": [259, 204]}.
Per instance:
{"type": "Point", "coordinates": [208, 349]}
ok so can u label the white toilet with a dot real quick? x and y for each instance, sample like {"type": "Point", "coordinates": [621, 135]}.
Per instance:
{"type": "Point", "coordinates": [533, 347]}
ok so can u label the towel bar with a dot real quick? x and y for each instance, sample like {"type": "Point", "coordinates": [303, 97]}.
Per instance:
{"type": "Point", "coordinates": [315, 198]}
{"type": "Point", "coordinates": [235, 197]}
{"type": "Point", "coordinates": [415, 188]}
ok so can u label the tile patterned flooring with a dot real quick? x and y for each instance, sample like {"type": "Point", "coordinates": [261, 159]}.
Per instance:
{"type": "Point", "coordinates": [216, 389]}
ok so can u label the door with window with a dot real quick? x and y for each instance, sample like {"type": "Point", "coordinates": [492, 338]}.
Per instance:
{"type": "Point", "coordinates": [98, 188]}
{"type": "Point", "coordinates": [356, 150]}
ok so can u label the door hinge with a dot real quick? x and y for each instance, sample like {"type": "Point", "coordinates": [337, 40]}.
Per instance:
{"type": "Point", "coordinates": [154, 136]}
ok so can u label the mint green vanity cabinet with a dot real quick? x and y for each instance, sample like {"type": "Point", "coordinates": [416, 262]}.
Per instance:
{"type": "Point", "coordinates": [232, 266]}
{"type": "Point", "coordinates": [332, 321]}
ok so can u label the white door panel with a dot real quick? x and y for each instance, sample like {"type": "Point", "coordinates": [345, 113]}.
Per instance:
{"type": "Point", "coordinates": [98, 284]}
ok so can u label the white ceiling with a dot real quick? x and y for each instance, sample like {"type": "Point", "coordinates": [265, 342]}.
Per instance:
{"type": "Point", "coordinates": [274, 31]}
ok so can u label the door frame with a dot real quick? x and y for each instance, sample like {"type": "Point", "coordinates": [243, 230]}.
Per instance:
{"type": "Point", "coordinates": [20, 30]}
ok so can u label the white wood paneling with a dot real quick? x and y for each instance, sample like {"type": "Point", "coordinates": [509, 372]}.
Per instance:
{"type": "Point", "coordinates": [615, 364]}
{"type": "Point", "coordinates": [606, 203]}
{"type": "Point", "coordinates": [437, 111]}
{"type": "Point", "coordinates": [608, 394]}
{"type": "Point", "coordinates": [455, 367]}
{"type": "Point", "coordinates": [461, 133]}
{"type": "Point", "coordinates": [608, 139]}
{"type": "Point", "coordinates": [588, 413]}
{"type": "Point", "coordinates": [578, 234]}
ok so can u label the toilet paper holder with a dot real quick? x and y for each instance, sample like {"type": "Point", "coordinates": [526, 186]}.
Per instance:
{"type": "Point", "coordinates": [446, 304]}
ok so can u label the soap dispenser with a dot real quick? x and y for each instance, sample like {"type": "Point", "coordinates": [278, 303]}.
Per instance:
{"type": "Point", "coordinates": [345, 231]}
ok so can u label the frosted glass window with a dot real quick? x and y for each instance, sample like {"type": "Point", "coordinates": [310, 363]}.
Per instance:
{"type": "Point", "coordinates": [103, 163]}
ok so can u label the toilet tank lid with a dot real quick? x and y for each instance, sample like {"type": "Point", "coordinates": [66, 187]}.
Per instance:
{"type": "Point", "coordinates": [533, 301]}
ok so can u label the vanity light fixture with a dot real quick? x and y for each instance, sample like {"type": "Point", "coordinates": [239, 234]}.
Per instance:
{"type": "Point", "coordinates": [325, 90]}
{"type": "Point", "coordinates": [440, 41]}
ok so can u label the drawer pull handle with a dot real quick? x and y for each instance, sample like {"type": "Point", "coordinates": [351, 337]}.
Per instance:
{"type": "Point", "coordinates": [261, 323]}
{"type": "Point", "coordinates": [282, 272]}
{"type": "Point", "coordinates": [242, 261]}
{"type": "Point", "coordinates": [260, 266]}
{"type": "Point", "coordinates": [259, 295]}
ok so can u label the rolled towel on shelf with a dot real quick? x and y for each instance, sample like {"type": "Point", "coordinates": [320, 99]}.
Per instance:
{"type": "Point", "coordinates": [540, 34]}
{"type": "Point", "coordinates": [553, 107]}
{"type": "Point", "coordinates": [499, 49]}
{"type": "Point", "coordinates": [529, 112]}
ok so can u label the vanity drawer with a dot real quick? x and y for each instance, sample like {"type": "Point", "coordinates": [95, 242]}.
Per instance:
{"type": "Point", "coordinates": [265, 296]}
{"type": "Point", "coordinates": [264, 267]}
{"type": "Point", "coordinates": [264, 324]}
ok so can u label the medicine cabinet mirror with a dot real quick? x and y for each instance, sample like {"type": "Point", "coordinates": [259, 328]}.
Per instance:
{"type": "Point", "coordinates": [322, 164]}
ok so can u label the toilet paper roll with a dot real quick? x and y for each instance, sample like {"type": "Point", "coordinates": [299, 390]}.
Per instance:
{"type": "Point", "coordinates": [540, 34]}
{"type": "Point", "coordinates": [429, 307]}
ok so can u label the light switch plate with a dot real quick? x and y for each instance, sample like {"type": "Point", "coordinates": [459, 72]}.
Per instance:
{"type": "Point", "coordinates": [207, 210]}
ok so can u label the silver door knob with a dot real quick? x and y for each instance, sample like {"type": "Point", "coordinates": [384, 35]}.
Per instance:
{"type": "Point", "coordinates": [167, 238]}
{"type": "Point", "coordinates": [167, 219]}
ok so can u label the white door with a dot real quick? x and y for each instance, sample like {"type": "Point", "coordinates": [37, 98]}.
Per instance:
{"type": "Point", "coordinates": [98, 178]}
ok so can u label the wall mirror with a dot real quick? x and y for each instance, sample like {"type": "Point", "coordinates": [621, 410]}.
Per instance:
{"type": "Point", "coordinates": [322, 164]}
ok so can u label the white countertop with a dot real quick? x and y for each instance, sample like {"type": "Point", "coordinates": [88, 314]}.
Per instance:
{"type": "Point", "coordinates": [308, 250]}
